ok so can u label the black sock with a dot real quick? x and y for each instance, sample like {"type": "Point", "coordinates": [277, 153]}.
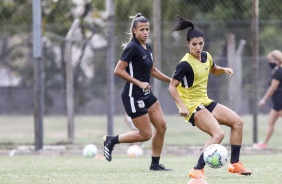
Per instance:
{"type": "Point", "coordinates": [235, 153]}
{"type": "Point", "coordinates": [155, 160]}
{"type": "Point", "coordinates": [201, 163]}
{"type": "Point", "coordinates": [115, 139]}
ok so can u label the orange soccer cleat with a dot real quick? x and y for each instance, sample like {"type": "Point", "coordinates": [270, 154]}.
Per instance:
{"type": "Point", "coordinates": [195, 173]}
{"type": "Point", "coordinates": [239, 168]}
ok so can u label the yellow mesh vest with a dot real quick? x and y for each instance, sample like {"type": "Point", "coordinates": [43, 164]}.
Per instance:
{"type": "Point", "coordinates": [197, 93]}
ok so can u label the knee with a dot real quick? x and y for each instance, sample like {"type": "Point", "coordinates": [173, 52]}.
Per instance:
{"type": "Point", "coordinates": [161, 128]}
{"type": "Point", "coordinates": [219, 135]}
{"type": "Point", "coordinates": [146, 136]}
{"type": "Point", "coordinates": [238, 124]}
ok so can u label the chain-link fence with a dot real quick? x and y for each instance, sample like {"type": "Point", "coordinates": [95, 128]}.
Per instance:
{"type": "Point", "coordinates": [220, 20]}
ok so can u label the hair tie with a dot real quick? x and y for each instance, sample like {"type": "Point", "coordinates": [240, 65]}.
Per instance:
{"type": "Point", "coordinates": [138, 15]}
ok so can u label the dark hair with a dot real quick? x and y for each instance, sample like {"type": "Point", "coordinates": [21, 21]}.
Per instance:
{"type": "Point", "coordinates": [136, 19]}
{"type": "Point", "coordinates": [192, 32]}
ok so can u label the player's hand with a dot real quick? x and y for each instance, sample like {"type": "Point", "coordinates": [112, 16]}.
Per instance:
{"type": "Point", "coordinates": [183, 111]}
{"type": "Point", "coordinates": [228, 71]}
{"type": "Point", "coordinates": [144, 85]}
{"type": "Point", "coordinates": [261, 103]}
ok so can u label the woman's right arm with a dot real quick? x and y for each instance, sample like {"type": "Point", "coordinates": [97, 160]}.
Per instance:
{"type": "Point", "coordinates": [121, 72]}
{"type": "Point", "coordinates": [174, 93]}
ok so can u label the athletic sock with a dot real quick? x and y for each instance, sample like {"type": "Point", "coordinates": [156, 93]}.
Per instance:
{"type": "Point", "coordinates": [201, 163]}
{"type": "Point", "coordinates": [155, 160]}
{"type": "Point", "coordinates": [115, 139]}
{"type": "Point", "coordinates": [235, 153]}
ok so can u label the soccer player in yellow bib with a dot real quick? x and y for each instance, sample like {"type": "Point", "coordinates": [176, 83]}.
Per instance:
{"type": "Point", "coordinates": [188, 88]}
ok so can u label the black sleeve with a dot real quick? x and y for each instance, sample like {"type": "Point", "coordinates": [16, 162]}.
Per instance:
{"type": "Point", "coordinates": [278, 74]}
{"type": "Point", "coordinates": [129, 53]}
{"type": "Point", "coordinates": [212, 65]}
{"type": "Point", "coordinates": [182, 69]}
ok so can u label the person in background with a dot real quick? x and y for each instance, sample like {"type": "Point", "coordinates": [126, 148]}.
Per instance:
{"type": "Point", "coordinates": [274, 92]}
{"type": "Point", "coordinates": [188, 88]}
{"type": "Point", "coordinates": [136, 67]}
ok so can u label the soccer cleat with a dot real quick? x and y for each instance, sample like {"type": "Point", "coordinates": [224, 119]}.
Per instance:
{"type": "Point", "coordinates": [159, 167]}
{"type": "Point", "coordinates": [108, 147]}
{"type": "Point", "coordinates": [239, 168]}
{"type": "Point", "coordinates": [260, 146]}
{"type": "Point", "coordinates": [197, 173]}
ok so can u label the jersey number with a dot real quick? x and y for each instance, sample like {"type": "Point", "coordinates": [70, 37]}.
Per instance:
{"type": "Point", "coordinates": [146, 92]}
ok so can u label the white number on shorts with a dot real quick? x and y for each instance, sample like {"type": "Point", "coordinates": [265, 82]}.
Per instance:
{"type": "Point", "coordinates": [146, 92]}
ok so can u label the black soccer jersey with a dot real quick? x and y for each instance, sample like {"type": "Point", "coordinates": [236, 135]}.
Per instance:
{"type": "Point", "coordinates": [140, 63]}
{"type": "Point", "coordinates": [277, 96]}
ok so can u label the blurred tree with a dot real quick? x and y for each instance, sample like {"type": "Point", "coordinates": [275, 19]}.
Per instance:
{"type": "Point", "coordinates": [12, 26]}
{"type": "Point", "coordinates": [57, 17]}
{"type": "Point", "coordinates": [217, 18]}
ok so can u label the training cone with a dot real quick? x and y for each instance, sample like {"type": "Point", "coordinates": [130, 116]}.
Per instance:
{"type": "Point", "coordinates": [99, 156]}
{"type": "Point", "coordinates": [197, 181]}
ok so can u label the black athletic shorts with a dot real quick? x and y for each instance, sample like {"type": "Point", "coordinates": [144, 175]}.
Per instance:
{"type": "Point", "coordinates": [136, 107]}
{"type": "Point", "coordinates": [210, 108]}
{"type": "Point", "coordinates": [277, 106]}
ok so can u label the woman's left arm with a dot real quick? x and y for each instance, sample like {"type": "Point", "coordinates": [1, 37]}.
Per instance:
{"type": "Point", "coordinates": [218, 70]}
{"type": "Point", "coordinates": [159, 75]}
{"type": "Point", "coordinates": [271, 89]}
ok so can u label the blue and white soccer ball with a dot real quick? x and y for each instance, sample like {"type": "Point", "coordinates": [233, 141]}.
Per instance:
{"type": "Point", "coordinates": [215, 155]}
{"type": "Point", "coordinates": [90, 151]}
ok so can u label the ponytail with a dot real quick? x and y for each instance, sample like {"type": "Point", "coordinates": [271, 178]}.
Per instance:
{"type": "Point", "coordinates": [183, 23]}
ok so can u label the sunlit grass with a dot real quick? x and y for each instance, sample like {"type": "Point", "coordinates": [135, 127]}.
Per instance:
{"type": "Point", "coordinates": [38, 169]}
{"type": "Point", "coordinates": [69, 166]}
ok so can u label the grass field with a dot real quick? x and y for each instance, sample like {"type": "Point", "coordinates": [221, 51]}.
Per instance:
{"type": "Point", "coordinates": [17, 130]}
{"type": "Point", "coordinates": [69, 166]}
{"type": "Point", "coordinates": [38, 169]}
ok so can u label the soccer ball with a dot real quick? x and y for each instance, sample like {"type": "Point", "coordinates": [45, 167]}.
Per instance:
{"type": "Point", "coordinates": [90, 151]}
{"type": "Point", "coordinates": [134, 151]}
{"type": "Point", "coordinates": [215, 156]}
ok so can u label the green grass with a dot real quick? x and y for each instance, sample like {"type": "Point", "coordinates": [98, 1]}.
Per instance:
{"type": "Point", "coordinates": [38, 169]}
{"type": "Point", "coordinates": [69, 166]}
{"type": "Point", "coordinates": [17, 130]}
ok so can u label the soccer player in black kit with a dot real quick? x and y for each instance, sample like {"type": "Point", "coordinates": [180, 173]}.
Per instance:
{"type": "Point", "coordinates": [136, 67]}
{"type": "Point", "coordinates": [274, 92]}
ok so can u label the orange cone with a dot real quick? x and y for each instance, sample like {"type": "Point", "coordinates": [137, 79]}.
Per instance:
{"type": "Point", "coordinates": [197, 181]}
{"type": "Point", "coordinates": [99, 156]}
